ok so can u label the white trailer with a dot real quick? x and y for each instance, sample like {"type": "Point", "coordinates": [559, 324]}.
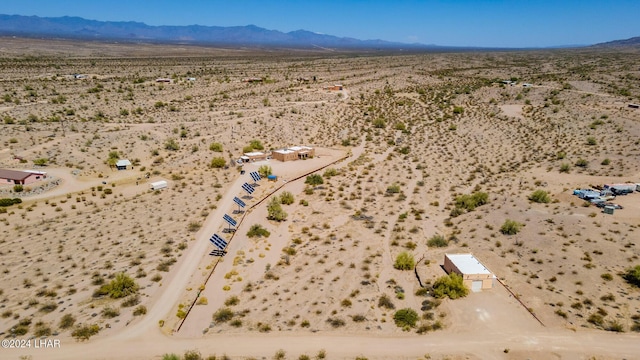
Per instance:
{"type": "Point", "coordinates": [159, 185]}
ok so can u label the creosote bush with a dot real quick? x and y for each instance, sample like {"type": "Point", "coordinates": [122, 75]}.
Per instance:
{"type": "Point", "coordinates": [257, 230]}
{"type": "Point", "coordinates": [540, 196]}
{"type": "Point", "coordinates": [450, 286]}
{"type": "Point", "coordinates": [437, 241]}
{"type": "Point", "coordinates": [511, 227]}
{"type": "Point", "coordinates": [122, 285]}
{"type": "Point", "coordinates": [405, 318]}
{"type": "Point", "coordinates": [404, 261]}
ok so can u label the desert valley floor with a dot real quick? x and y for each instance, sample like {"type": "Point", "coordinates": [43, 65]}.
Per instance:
{"type": "Point", "coordinates": [402, 143]}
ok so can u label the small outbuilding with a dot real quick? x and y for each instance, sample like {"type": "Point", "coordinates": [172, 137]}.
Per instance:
{"type": "Point", "coordinates": [18, 177]}
{"type": "Point", "coordinates": [123, 164]}
{"type": "Point", "coordinates": [253, 156]}
{"type": "Point", "coordinates": [474, 274]}
{"type": "Point", "coordinates": [158, 185]}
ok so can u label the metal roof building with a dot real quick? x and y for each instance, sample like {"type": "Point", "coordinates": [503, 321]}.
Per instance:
{"type": "Point", "coordinates": [474, 274]}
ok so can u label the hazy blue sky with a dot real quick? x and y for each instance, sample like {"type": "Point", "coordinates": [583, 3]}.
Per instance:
{"type": "Point", "coordinates": [498, 23]}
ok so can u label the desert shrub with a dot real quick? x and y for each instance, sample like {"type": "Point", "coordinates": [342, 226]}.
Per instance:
{"type": "Point", "coordinates": [256, 144]}
{"type": "Point", "coordinates": [470, 202]}
{"type": "Point", "coordinates": [265, 170]}
{"type": "Point", "coordinates": [18, 188]}
{"type": "Point", "coordinates": [218, 162]}
{"type": "Point", "coordinates": [606, 277]}
{"type": "Point", "coordinates": [437, 241]}
{"type": "Point", "coordinates": [405, 317]}
{"type": "Point", "coordinates": [314, 179]}
{"type": "Point", "coordinates": [582, 163]}
{"type": "Point", "coordinates": [170, 357]}
{"type": "Point", "coordinates": [605, 162]}
{"type": "Point", "coordinates": [140, 310]}
{"type": "Point", "coordinates": [9, 202]}
{"type": "Point", "coordinates": [274, 210]}
{"type": "Point", "coordinates": [404, 261]}
{"type": "Point", "coordinates": [336, 322]}
{"type": "Point", "coordinates": [84, 332]}
{"type": "Point", "coordinates": [257, 230]}
{"type": "Point", "coordinates": [48, 307]}
{"type": "Point", "coordinates": [192, 355]}
{"type": "Point", "coordinates": [131, 301]}
{"type": "Point", "coordinates": [596, 319]}
{"type": "Point", "coordinates": [540, 196]}
{"type": "Point", "coordinates": [231, 301]}
{"type": "Point", "coordinates": [223, 315]}
{"type": "Point", "coordinates": [385, 302]}
{"type": "Point", "coordinates": [122, 285]}
{"type": "Point", "coordinates": [171, 145]}
{"type": "Point", "coordinates": [330, 172]}
{"type": "Point", "coordinates": [632, 275]}
{"type": "Point", "coordinates": [109, 312]}
{"type": "Point", "coordinates": [379, 123]}
{"type": "Point", "coordinates": [591, 140]}
{"type": "Point", "coordinates": [393, 189]}
{"type": "Point", "coordinates": [450, 286]}
{"type": "Point", "coordinates": [67, 321]}
{"type": "Point", "coordinates": [217, 147]}
{"type": "Point", "coordinates": [511, 227]}
{"type": "Point", "coordinates": [565, 168]}
{"type": "Point", "coordinates": [286, 198]}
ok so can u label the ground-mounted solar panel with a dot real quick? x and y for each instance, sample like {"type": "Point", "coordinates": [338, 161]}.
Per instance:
{"type": "Point", "coordinates": [219, 242]}
{"type": "Point", "coordinates": [230, 220]}
{"type": "Point", "coordinates": [255, 176]}
{"type": "Point", "coordinates": [218, 253]}
{"type": "Point", "coordinates": [248, 188]}
{"type": "Point", "coordinates": [239, 202]}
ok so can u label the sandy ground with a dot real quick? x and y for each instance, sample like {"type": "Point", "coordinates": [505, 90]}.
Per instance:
{"type": "Point", "coordinates": [430, 126]}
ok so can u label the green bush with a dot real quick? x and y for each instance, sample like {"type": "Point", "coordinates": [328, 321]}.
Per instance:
{"type": "Point", "coordinates": [393, 189]}
{"type": "Point", "coordinates": [9, 202]}
{"type": "Point", "coordinates": [274, 210]}
{"type": "Point", "coordinates": [582, 163]}
{"type": "Point", "coordinates": [265, 170]}
{"type": "Point", "coordinates": [540, 196]}
{"type": "Point", "coordinates": [257, 230]}
{"type": "Point", "coordinates": [450, 286]}
{"type": "Point", "coordinates": [67, 321]}
{"type": "Point", "coordinates": [84, 332]}
{"type": "Point", "coordinates": [218, 162]}
{"type": "Point", "coordinates": [437, 241]}
{"type": "Point", "coordinates": [286, 198]}
{"type": "Point", "coordinates": [172, 145]}
{"type": "Point", "coordinates": [404, 261]}
{"type": "Point", "coordinates": [314, 179]}
{"type": "Point", "coordinates": [632, 275]}
{"type": "Point", "coordinates": [511, 227]}
{"type": "Point", "coordinates": [217, 147]}
{"type": "Point", "coordinates": [223, 315]}
{"type": "Point", "coordinates": [18, 188]}
{"type": "Point", "coordinates": [385, 302]}
{"type": "Point", "coordinates": [565, 168]}
{"type": "Point", "coordinates": [122, 285]}
{"type": "Point", "coordinates": [405, 317]}
{"type": "Point", "coordinates": [470, 202]}
{"type": "Point", "coordinates": [256, 145]}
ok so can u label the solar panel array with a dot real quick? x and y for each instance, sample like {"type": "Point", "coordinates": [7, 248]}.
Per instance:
{"type": "Point", "coordinates": [230, 220]}
{"type": "Point", "coordinates": [217, 253]}
{"type": "Point", "coordinates": [248, 188]}
{"type": "Point", "coordinates": [255, 176]}
{"type": "Point", "coordinates": [218, 242]}
{"type": "Point", "coordinates": [239, 202]}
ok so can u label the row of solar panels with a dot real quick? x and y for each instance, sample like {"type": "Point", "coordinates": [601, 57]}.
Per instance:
{"type": "Point", "coordinates": [219, 242]}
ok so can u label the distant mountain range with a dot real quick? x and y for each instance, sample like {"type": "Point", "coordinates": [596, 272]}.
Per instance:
{"type": "Point", "coordinates": [250, 35]}
{"type": "Point", "coordinates": [631, 42]}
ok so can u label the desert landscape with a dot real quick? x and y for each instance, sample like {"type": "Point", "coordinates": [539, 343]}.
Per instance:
{"type": "Point", "coordinates": [417, 155]}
